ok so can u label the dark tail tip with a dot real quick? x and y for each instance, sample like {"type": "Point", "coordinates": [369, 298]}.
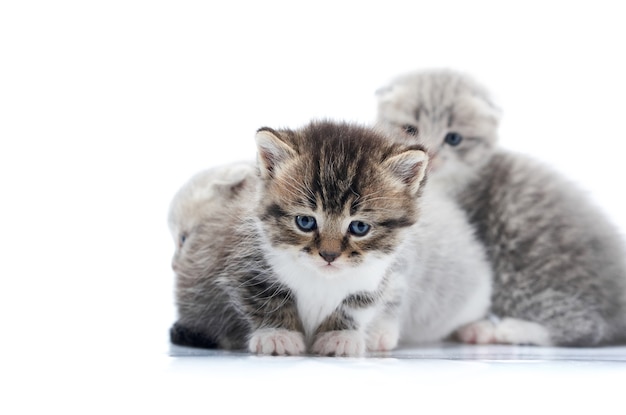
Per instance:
{"type": "Point", "coordinates": [184, 336]}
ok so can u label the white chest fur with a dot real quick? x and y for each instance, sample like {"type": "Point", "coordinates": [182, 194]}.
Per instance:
{"type": "Point", "coordinates": [318, 294]}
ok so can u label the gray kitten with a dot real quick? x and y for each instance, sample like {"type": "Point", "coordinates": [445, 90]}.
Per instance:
{"type": "Point", "coordinates": [559, 271]}
{"type": "Point", "coordinates": [208, 202]}
{"type": "Point", "coordinates": [334, 245]}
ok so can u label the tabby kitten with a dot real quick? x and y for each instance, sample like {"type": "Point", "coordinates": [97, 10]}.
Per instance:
{"type": "Point", "coordinates": [339, 249]}
{"type": "Point", "coordinates": [559, 271]}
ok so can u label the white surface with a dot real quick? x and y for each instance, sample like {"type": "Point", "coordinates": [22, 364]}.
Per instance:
{"type": "Point", "coordinates": [106, 108]}
{"type": "Point", "coordinates": [445, 378]}
{"type": "Point", "coordinates": [450, 351]}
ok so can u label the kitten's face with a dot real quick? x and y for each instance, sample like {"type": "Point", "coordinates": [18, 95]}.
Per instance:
{"type": "Point", "coordinates": [446, 112]}
{"type": "Point", "coordinates": [337, 197]}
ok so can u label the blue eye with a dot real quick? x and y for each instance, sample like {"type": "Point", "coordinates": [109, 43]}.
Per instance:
{"type": "Point", "coordinates": [306, 223]}
{"type": "Point", "coordinates": [358, 228]}
{"type": "Point", "coordinates": [453, 139]}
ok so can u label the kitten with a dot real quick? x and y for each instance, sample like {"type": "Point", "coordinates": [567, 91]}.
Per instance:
{"type": "Point", "coordinates": [200, 210]}
{"type": "Point", "coordinates": [341, 248]}
{"type": "Point", "coordinates": [559, 272]}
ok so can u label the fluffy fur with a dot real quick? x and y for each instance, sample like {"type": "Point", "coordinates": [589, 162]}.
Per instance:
{"type": "Point", "coordinates": [254, 272]}
{"type": "Point", "coordinates": [208, 203]}
{"type": "Point", "coordinates": [559, 272]}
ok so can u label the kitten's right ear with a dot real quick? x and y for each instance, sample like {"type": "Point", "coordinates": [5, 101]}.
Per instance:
{"type": "Point", "coordinates": [409, 167]}
{"type": "Point", "coordinates": [272, 151]}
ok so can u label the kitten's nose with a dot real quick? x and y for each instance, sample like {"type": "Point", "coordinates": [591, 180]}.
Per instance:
{"type": "Point", "coordinates": [329, 256]}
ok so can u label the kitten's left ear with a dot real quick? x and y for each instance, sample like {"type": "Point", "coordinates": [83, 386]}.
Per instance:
{"type": "Point", "coordinates": [272, 151]}
{"type": "Point", "coordinates": [387, 94]}
{"type": "Point", "coordinates": [409, 167]}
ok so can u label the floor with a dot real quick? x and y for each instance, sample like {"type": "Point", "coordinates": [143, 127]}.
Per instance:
{"type": "Point", "coordinates": [109, 107]}
{"type": "Point", "coordinates": [436, 378]}
{"type": "Point", "coordinates": [453, 351]}
{"type": "Point", "coordinates": [141, 375]}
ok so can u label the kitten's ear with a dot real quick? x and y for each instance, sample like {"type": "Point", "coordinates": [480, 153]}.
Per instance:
{"type": "Point", "coordinates": [387, 93]}
{"type": "Point", "coordinates": [272, 151]}
{"type": "Point", "coordinates": [233, 179]}
{"type": "Point", "coordinates": [484, 106]}
{"type": "Point", "coordinates": [409, 167]}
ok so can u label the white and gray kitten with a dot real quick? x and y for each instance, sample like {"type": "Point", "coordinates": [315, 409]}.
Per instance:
{"type": "Point", "coordinates": [335, 246]}
{"type": "Point", "coordinates": [558, 264]}
{"type": "Point", "coordinates": [209, 202]}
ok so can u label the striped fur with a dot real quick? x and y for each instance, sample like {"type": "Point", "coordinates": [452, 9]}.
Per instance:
{"type": "Point", "coordinates": [249, 277]}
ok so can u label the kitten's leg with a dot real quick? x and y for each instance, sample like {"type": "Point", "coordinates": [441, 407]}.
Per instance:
{"type": "Point", "coordinates": [505, 331]}
{"type": "Point", "coordinates": [273, 314]}
{"type": "Point", "coordinates": [339, 335]}
{"type": "Point", "coordinates": [383, 335]}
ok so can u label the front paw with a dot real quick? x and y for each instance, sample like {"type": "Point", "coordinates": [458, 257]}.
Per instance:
{"type": "Point", "coordinates": [383, 339]}
{"type": "Point", "coordinates": [478, 332]}
{"type": "Point", "coordinates": [277, 342]}
{"type": "Point", "coordinates": [339, 343]}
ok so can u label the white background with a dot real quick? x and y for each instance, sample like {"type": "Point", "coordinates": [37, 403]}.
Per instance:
{"type": "Point", "coordinates": [106, 108]}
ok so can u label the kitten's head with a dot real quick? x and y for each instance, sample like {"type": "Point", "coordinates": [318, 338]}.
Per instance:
{"type": "Point", "coordinates": [204, 195]}
{"type": "Point", "coordinates": [336, 196]}
{"type": "Point", "coordinates": [448, 113]}
{"type": "Point", "coordinates": [207, 201]}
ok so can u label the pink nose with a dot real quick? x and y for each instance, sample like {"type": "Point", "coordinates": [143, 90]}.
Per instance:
{"type": "Point", "coordinates": [329, 256]}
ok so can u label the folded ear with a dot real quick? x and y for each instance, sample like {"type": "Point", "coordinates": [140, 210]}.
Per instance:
{"type": "Point", "coordinates": [233, 178]}
{"type": "Point", "coordinates": [272, 151]}
{"type": "Point", "coordinates": [387, 93]}
{"type": "Point", "coordinates": [409, 167]}
{"type": "Point", "coordinates": [481, 105]}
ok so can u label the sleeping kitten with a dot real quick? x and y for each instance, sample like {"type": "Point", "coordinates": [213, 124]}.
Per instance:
{"type": "Point", "coordinates": [340, 249]}
{"type": "Point", "coordinates": [560, 277]}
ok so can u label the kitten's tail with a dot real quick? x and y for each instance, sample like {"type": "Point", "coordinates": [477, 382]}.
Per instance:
{"type": "Point", "coordinates": [184, 336]}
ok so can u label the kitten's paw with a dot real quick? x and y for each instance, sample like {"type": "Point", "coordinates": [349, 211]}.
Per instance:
{"type": "Point", "coordinates": [505, 331]}
{"type": "Point", "coordinates": [479, 332]}
{"type": "Point", "coordinates": [382, 339]}
{"type": "Point", "coordinates": [277, 342]}
{"type": "Point", "coordinates": [339, 343]}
